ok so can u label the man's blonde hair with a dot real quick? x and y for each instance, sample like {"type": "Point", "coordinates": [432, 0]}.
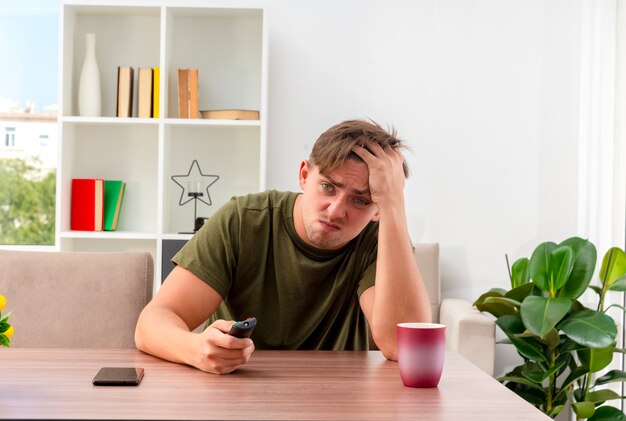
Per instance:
{"type": "Point", "coordinates": [335, 145]}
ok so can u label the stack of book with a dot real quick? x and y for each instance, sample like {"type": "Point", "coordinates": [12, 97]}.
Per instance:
{"type": "Point", "coordinates": [96, 204]}
{"type": "Point", "coordinates": [147, 92]}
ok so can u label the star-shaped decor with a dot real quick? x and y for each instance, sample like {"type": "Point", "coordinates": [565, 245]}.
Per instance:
{"type": "Point", "coordinates": [196, 178]}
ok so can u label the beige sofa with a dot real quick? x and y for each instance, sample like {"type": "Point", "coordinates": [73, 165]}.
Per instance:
{"type": "Point", "coordinates": [75, 299]}
{"type": "Point", "coordinates": [468, 332]}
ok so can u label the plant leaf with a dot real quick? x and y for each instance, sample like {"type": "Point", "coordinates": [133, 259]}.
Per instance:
{"type": "Point", "coordinates": [613, 266]}
{"type": "Point", "coordinates": [608, 413]}
{"type": "Point", "coordinates": [610, 377]}
{"type": "Point", "coordinates": [595, 359]}
{"type": "Point", "coordinates": [540, 264]}
{"type": "Point", "coordinates": [534, 396]}
{"type": "Point", "coordinates": [619, 284]}
{"type": "Point", "coordinates": [584, 266]}
{"type": "Point", "coordinates": [529, 348]}
{"type": "Point", "coordinates": [552, 339]}
{"type": "Point", "coordinates": [493, 292]}
{"type": "Point", "coordinates": [521, 292]}
{"type": "Point", "coordinates": [596, 289]}
{"type": "Point", "coordinates": [5, 318]}
{"type": "Point", "coordinates": [4, 341]}
{"type": "Point", "coordinates": [555, 411]}
{"type": "Point", "coordinates": [563, 361]}
{"type": "Point", "coordinates": [602, 395]}
{"type": "Point", "coordinates": [561, 265]}
{"type": "Point", "coordinates": [583, 409]}
{"type": "Point", "coordinates": [496, 308]}
{"type": "Point", "coordinates": [503, 300]}
{"type": "Point", "coordinates": [574, 375]}
{"type": "Point", "coordinates": [541, 314]}
{"type": "Point", "coordinates": [520, 272]}
{"type": "Point", "coordinates": [569, 345]}
{"type": "Point", "coordinates": [590, 328]}
{"type": "Point", "coordinates": [520, 380]}
{"type": "Point", "coordinates": [538, 375]}
{"type": "Point", "coordinates": [535, 376]}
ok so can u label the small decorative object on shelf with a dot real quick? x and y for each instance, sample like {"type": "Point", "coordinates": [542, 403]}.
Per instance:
{"type": "Point", "coordinates": [6, 330]}
{"type": "Point", "coordinates": [194, 188]}
{"type": "Point", "coordinates": [89, 100]}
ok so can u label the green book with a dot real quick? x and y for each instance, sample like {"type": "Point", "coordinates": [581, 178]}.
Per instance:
{"type": "Point", "coordinates": [113, 195]}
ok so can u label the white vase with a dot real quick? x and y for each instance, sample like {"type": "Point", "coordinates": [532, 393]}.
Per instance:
{"type": "Point", "coordinates": [89, 96]}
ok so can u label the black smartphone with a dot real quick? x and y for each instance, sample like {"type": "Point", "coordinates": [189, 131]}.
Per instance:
{"type": "Point", "coordinates": [244, 328]}
{"type": "Point", "coordinates": [118, 376]}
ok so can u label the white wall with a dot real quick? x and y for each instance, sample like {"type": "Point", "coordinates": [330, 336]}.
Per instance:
{"type": "Point", "coordinates": [485, 92]}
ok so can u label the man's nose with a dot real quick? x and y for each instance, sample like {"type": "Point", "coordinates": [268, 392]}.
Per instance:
{"type": "Point", "coordinates": [337, 208]}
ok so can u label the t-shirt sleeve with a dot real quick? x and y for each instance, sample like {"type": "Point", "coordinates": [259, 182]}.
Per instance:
{"type": "Point", "coordinates": [212, 252]}
{"type": "Point", "coordinates": [368, 279]}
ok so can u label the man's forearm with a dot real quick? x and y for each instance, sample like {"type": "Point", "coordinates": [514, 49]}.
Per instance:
{"type": "Point", "coordinates": [161, 333]}
{"type": "Point", "coordinates": [400, 293]}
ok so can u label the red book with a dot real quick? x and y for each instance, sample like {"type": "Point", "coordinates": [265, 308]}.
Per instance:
{"type": "Point", "coordinates": [87, 204]}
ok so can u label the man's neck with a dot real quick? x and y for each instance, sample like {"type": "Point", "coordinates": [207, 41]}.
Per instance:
{"type": "Point", "coordinates": [297, 219]}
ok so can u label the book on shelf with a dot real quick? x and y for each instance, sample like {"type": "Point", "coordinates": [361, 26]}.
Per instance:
{"type": "Point", "coordinates": [113, 196]}
{"type": "Point", "coordinates": [156, 91]}
{"type": "Point", "coordinates": [193, 93]}
{"type": "Point", "coordinates": [124, 105]}
{"type": "Point", "coordinates": [87, 204]}
{"type": "Point", "coordinates": [183, 93]}
{"type": "Point", "coordinates": [230, 114]}
{"type": "Point", "coordinates": [144, 92]}
{"type": "Point", "coordinates": [188, 93]}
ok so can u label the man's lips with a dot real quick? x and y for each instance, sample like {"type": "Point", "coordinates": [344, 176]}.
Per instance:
{"type": "Point", "coordinates": [329, 224]}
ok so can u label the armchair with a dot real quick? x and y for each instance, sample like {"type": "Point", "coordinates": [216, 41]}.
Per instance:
{"type": "Point", "coordinates": [468, 332]}
{"type": "Point", "coordinates": [75, 299]}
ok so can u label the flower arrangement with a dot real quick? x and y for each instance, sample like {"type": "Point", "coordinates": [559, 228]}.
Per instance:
{"type": "Point", "coordinates": [6, 330]}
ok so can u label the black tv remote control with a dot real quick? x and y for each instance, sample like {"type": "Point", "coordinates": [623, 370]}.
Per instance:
{"type": "Point", "coordinates": [243, 329]}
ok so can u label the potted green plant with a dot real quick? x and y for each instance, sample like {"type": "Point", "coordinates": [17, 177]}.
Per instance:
{"type": "Point", "coordinates": [564, 344]}
{"type": "Point", "coordinates": [6, 330]}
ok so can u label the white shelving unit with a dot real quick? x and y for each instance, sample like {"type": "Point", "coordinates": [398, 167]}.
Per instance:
{"type": "Point", "coordinates": [227, 42]}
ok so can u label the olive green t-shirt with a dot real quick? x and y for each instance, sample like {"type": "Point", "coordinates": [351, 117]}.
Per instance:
{"type": "Point", "coordinates": [302, 297]}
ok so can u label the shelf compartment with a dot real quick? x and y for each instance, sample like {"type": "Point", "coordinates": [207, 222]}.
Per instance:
{"type": "Point", "coordinates": [232, 153]}
{"type": "Point", "coordinates": [226, 46]}
{"type": "Point", "coordinates": [114, 152]}
{"type": "Point", "coordinates": [125, 36]}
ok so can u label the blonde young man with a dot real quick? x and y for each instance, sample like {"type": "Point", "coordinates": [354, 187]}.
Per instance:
{"type": "Point", "coordinates": [310, 266]}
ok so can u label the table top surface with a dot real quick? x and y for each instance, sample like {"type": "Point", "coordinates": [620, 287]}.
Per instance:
{"type": "Point", "coordinates": [294, 385]}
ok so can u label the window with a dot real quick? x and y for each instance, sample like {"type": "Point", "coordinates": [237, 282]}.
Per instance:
{"type": "Point", "coordinates": [28, 122]}
{"type": "Point", "coordinates": [9, 137]}
{"type": "Point", "coordinates": [43, 141]}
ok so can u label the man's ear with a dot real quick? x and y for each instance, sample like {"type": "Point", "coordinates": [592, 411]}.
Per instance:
{"type": "Point", "coordinates": [304, 173]}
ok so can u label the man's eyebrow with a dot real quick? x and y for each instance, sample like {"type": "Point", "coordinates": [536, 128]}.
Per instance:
{"type": "Point", "coordinates": [341, 186]}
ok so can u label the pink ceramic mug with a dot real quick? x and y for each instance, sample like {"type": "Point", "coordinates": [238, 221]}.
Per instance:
{"type": "Point", "coordinates": [421, 351]}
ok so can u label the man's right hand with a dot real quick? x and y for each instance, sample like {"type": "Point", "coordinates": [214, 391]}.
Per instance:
{"type": "Point", "coordinates": [215, 351]}
{"type": "Point", "coordinates": [165, 325]}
